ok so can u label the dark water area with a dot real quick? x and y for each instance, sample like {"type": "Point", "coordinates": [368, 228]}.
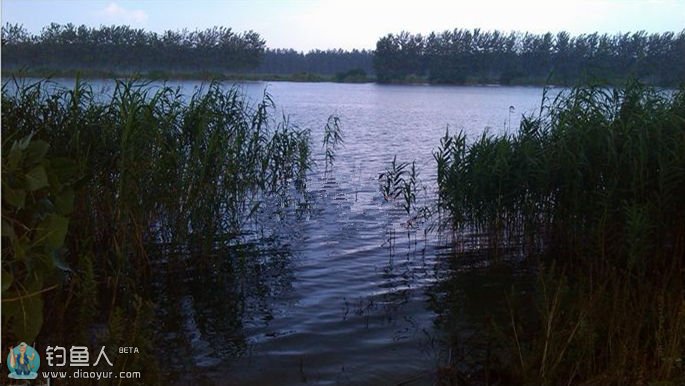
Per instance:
{"type": "Point", "coordinates": [335, 285]}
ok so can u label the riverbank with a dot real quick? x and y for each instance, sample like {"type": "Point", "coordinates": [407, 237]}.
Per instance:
{"type": "Point", "coordinates": [295, 77]}
{"type": "Point", "coordinates": [41, 73]}
{"type": "Point", "coordinates": [198, 75]}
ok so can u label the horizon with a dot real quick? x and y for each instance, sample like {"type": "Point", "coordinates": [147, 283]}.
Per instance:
{"type": "Point", "coordinates": [307, 25]}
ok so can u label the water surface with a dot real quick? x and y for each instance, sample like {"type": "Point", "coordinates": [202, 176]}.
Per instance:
{"type": "Point", "coordinates": [342, 292]}
{"type": "Point", "coordinates": [335, 288]}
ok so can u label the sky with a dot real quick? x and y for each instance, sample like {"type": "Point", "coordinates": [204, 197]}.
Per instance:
{"type": "Point", "coordinates": [308, 24]}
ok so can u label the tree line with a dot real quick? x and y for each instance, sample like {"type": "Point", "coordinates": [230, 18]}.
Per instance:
{"type": "Point", "coordinates": [461, 55]}
{"type": "Point", "coordinates": [328, 62]}
{"type": "Point", "coordinates": [457, 56]}
{"type": "Point", "coordinates": [124, 48]}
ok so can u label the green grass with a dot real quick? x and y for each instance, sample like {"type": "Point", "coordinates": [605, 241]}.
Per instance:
{"type": "Point", "coordinates": [91, 185]}
{"type": "Point", "coordinates": [593, 185]}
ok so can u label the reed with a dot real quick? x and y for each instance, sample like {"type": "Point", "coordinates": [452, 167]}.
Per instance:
{"type": "Point", "coordinates": [332, 138]}
{"type": "Point", "coordinates": [594, 184]}
{"type": "Point", "coordinates": [400, 182]}
{"type": "Point", "coordinates": [92, 183]}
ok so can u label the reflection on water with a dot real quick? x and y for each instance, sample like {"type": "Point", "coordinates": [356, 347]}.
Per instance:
{"type": "Point", "coordinates": [205, 301]}
{"type": "Point", "coordinates": [471, 309]}
{"type": "Point", "coordinates": [208, 295]}
{"type": "Point", "coordinates": [337, 286]}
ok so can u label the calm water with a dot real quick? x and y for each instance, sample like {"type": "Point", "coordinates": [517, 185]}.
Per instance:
{"type": "Point", "coordinates": [335, 289]}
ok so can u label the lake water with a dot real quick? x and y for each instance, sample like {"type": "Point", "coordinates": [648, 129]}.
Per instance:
{"type": "Point", "coordinates": [343, 293]}
{"type": "Point", "coordinates": [338, 289]}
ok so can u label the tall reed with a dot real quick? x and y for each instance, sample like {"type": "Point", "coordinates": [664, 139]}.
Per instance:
{"type": "Point", "coordinates": [332, 138]}
{"type": "Point", "coordinates": [594, 183]}
{"type": "Point", "coordinates": [103, 179]}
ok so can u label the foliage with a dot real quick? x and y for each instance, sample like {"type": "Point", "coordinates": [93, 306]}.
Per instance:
{"type": "Point", "coordinates": [216, 50]}
{"type": "Point", "coordinates": [110, 48]}
{"type": "Point", "coordinates": [594, 186]}
{"type": "Point", "coordinates": [38, 197]}
{"type": "Point", "coordinates": [92, 185]}
{"type": "Point", "coordinates": [328, 62]}
{"type": "Point", "coordinates": [332, 137]}
{"type": "Point", "coordinates": [398, 56]}
{"type": "Point", "coordinates": [461, 55]}
{"type": "Point", "coordinates": [400, 181]}
{"type": "Point", "coordinates": [610, 329]}
{"type": "Point", "coordinates": [355, 75]}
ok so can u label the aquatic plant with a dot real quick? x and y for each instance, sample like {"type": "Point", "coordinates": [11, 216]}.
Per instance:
{"type": "Point", "coordinates": [332, 137]}
{"type": "Point", "coordinates": [93, 183]}
{"type": "Point", "coordinates": [594, 184]}
{"type": "Point", "coordinates": [400, 183]}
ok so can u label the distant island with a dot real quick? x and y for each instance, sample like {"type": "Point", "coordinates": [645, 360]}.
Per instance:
{"type": "Point", "coordinates": [459, 56]}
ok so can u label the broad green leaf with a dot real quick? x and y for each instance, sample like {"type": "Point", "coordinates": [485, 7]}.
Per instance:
{"type": "Point", "coordinates": [20, 248]}
{"type": "Point", "coordinates": [6, 280]}
{"type": "Point", "coordinates": [64, 169]}
{"type": "Point", "coordinates": [8, 231]}
{"type": "Point", "coordinates": [52, 231]}
{"type": "Point", "coordinates": [36, 178]}
{"type": "Point", "coordinates": [41, 264]}
{"type": "Point", "coordinates": [25, 314]}
{"type": "Point", "coordinates": [16, 154]}
{"type": "Point", "coordinates": [23, 143]}
{"type": "Point", "coordinates": [36, 151]}
{"type": "Point", "coordinates": [14, 159]}
{"type": "Point", "coordinates": [15, 197]}
{"type": "Point", "coordinates": [64, 202]}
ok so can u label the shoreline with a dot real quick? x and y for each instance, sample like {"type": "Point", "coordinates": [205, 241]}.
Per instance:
{"type": "Point", "coordinates": [163, 75]}
{"type": "Point", "coordinates": [298, 77]}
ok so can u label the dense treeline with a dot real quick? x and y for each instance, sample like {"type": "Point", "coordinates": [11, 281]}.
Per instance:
{"type": "Point", "coordinates": [460, 56]}
{"type": "Point", "coordinates": [457, 56]}
{"type": "Point", "coordinates": [328, 62]}
{"type": "Point", "coordinates": [125, 49]}
{"type": "Point", "coordinates": [122, 48]}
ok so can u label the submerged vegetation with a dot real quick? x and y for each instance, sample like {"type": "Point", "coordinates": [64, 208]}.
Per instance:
{"type": "Point", "coordinates": [591, 190]}
{"type": "Point", "coordinates": [92, 185]}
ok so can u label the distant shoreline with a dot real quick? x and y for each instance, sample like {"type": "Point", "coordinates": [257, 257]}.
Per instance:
{"type": "Point", "coordinates": [295, 77]}
{"type": "Point", "coordinates": [198, 75]}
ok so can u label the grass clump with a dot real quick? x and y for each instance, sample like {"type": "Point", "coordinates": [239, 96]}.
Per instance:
{"type": "Point", "coordinates": [593, 185]}
{"type": "Point", "coordinates": [92, 182]}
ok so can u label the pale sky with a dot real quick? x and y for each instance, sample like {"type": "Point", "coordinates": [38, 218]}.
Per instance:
{"type": "Point", "coordinates": [309, 24]}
